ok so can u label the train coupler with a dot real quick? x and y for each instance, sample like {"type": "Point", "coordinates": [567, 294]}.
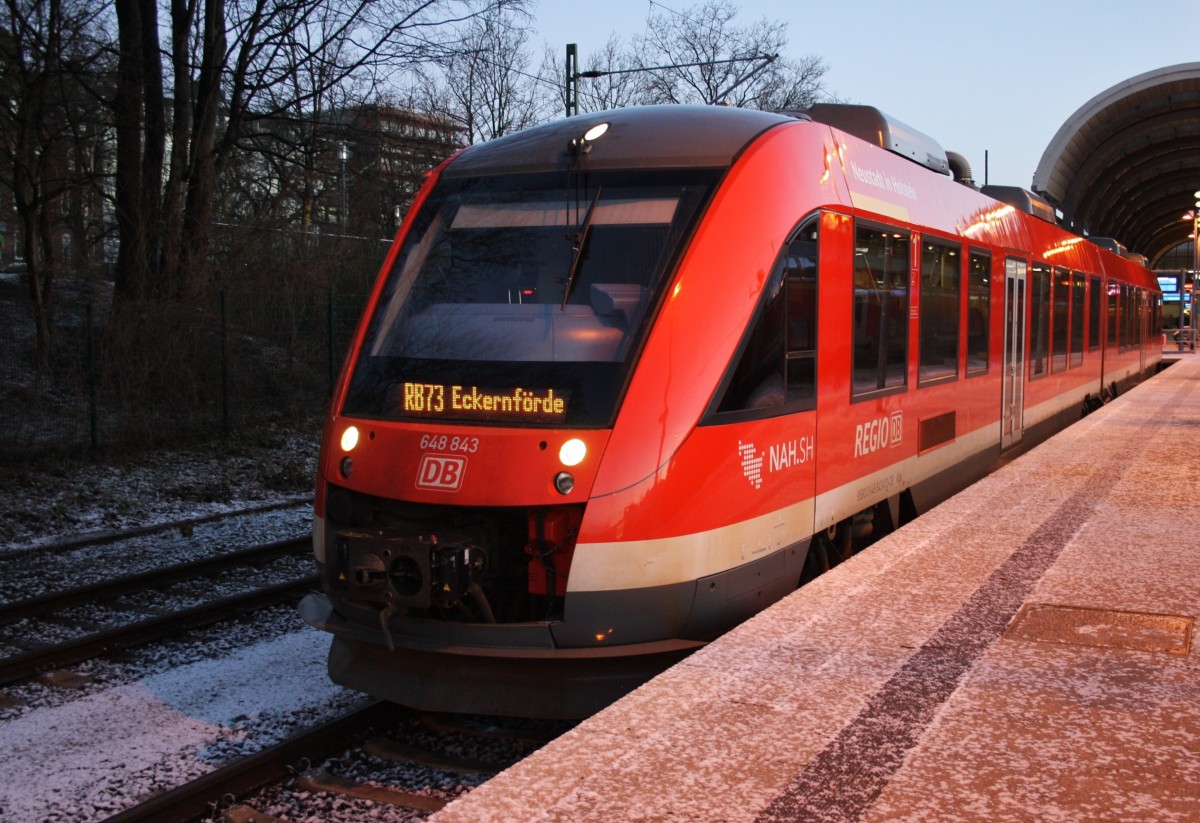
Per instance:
{"type": "Point", "coordinates": [552, 533]}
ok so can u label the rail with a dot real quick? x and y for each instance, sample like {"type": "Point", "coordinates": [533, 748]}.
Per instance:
{"type": "Point", "coordinates": [26, 664]}
{"type": "Point", "coordinates": [195, 799]}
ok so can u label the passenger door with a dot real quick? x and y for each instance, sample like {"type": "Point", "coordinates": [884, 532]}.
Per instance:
{"type": "Point", "coordinates": [1012, 413]}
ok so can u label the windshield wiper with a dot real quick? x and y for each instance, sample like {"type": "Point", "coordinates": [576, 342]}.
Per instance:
{"type": "Point", "coordinates": [579, 241]}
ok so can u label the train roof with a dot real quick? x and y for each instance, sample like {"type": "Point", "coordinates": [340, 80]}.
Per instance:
{"type": "Point", "coordinates": [914, 186]}
{"type": "Point", "coordinates": [1024, 200]}
{"type": "Point", "coordinates": [870, 124]}
{"type": "Point", "coordinates": [638, 137]}
{"type": "Point", "coordinates": [672, 136]}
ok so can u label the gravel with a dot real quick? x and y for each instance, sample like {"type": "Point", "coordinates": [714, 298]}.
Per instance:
{"type": "Point", "coordinates": [82, 745]}
{"type": "Point", "coordinates": [151, 717]}
{"type": "Point", "coordinates": [63, 499]}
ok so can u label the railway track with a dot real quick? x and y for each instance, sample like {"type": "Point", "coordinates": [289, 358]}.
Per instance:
{"type": "Point", "coordinates": [392, 768]}
{"type": "Point", "coordinates": [199, 797]}
{"type": "Point", "coordinates": [164, 621]}
{"type": "Point", "coordinates": [128, 584]}
{"type": "Point", "coordinates": [39, 569]}
{"type": "Point", "coordinates": [183, 526]}
{"type": "Point", "coordinates": [228, 793]}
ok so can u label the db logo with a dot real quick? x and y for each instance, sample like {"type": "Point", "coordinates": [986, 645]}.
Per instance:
{"type": "Point", "coordinates": [441, 472]}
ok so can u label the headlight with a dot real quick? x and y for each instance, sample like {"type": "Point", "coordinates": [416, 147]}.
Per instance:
{"type": "Point", "coordinates": [572, 452]}
{"type": "Point", "coordinates": [564, 482]}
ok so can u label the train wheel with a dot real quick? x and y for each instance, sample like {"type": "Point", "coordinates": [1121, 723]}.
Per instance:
{"type": "Point", "coordinates": [885, 521]}
{"type": "Point", "coordinates": [908, 508]}
{"type": "Point", "coordinates": [843, 541]}
{"type": "Point", "coordinates": [818, 560]}
{"type": "Point", "coordinates": [828, 548]}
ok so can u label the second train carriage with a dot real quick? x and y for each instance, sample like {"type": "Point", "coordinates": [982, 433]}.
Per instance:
{"type": "Point", "coordinates": [627, 377]}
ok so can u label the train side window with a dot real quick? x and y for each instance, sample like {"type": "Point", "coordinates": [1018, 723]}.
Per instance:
{"type": "Point", "coordinates": [1078, 302]}
{"type": "Point", "coordinates": [1131, 305]}
{"type": "Point", "coordinates": [1123, 318]}
{"type": "Point", "coordinates": [1039, 331]}
{"type": "Point", "coordinates": [880, 333]}
{"type": "Point", "coordinates": [1094, 295]}
{"type": "Point", "coordinates": [941, 310]}
{"type": "Point", "coordinates": [777, 369]}
{"type": "Point", "coordinates": [979, 295]}
{"type": "Point", "coordinates": [1139, 305]}
{"type": "Point", "coordinates": [1112, 291]}
{"type": "Point", "coordinates": [1060, 297]}
{"type": "Point", "coordinates": [802, 317]}
{"type": "Point", "coordinates": [1131, 314]}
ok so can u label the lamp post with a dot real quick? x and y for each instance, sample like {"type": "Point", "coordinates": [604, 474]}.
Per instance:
{"type": "Point", "coordinates": [344, 155]}
{"type": "Point", "coordinates": [1194, 218]}
{"type": "Point", "coordinates": [1188, 289]}
{"type": "Point", "coordinates": [1195, 214]}
{"type": "Point", "coordinates": [573, 75]}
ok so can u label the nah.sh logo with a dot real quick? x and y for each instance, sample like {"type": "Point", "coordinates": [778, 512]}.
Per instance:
{"type": "Point", "coordinates": [441, 472]}
{"type": "Point", "coordinates": [752, 463]}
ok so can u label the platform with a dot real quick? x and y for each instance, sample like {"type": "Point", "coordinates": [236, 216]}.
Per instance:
{"type": "Point", "coordinates": [1022, 652]}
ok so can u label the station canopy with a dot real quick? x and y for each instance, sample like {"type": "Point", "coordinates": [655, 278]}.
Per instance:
{"type": "Point", "coordinates": [1126, 165]}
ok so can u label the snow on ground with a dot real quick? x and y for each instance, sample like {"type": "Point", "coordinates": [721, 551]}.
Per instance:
{"type": "Point", "coordinates": [131, 730]}
{"type": "Point", "coordinates": [63, 498]}
{"type": "Point", "coordinates": [89, 758]}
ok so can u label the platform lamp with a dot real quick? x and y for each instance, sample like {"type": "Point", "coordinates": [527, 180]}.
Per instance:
{"type": "Point", "coordinates": [1187, 276]}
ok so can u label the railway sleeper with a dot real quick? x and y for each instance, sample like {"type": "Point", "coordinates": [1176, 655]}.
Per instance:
{"type": "Point", "coordinates": [320, 780]}
{"type": "Point", "coordinates": [245, 814]}
{"type": "Point", "coordinates": [397, 752]}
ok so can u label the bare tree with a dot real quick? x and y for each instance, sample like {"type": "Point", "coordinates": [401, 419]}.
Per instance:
{"type": "Point", "coordinates": [140, 125]}
{"type": "Point", "coordinates": [701, 55]}
{"type": "Point", "coordinates": [235, 64]}
{"type": "Point", "coordinates": [293, 148]}
{"type": "Point", "coordinates": [486, 86]}
{"type": "Point", "coordinates": [792, 84]}
{"type": "Point", "coordinates": [51, 55]}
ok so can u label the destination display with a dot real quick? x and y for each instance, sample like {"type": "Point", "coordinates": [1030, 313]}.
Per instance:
{"type": "Point", "coordinates": [451, 402]}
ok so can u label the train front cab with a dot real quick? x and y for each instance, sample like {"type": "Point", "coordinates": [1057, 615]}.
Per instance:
{"type": "Point", "coordinates": [469, 564]}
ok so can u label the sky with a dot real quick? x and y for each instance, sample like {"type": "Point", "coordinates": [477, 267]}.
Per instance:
{"type": "Point", "coordinates": [979, 77]}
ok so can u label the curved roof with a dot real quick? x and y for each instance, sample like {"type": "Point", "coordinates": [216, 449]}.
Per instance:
{"type": "Point", "coordinates": [638, 137]}
{"type": "Point", "coordinates": [1127, 163]}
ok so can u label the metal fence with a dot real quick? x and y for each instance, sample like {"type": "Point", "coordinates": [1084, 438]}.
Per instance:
{"type": "Point", "coordinates": [139, 374]}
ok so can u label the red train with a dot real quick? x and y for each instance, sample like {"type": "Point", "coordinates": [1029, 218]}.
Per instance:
{"type": "Point", "coordinates": [628, 378]}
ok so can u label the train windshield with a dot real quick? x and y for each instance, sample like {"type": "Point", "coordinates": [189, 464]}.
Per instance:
{"type": "Point", "coordinates": [524, 299]}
